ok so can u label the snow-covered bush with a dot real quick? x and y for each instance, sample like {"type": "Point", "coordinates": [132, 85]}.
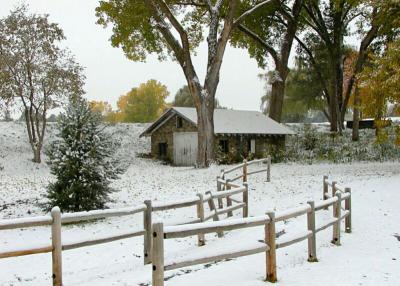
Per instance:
{"type": "Point", "coordinates": [312, 144]}
{"type": "Point", "coordinates": [82, 160]}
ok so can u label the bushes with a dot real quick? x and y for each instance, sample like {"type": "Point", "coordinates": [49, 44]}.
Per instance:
{"type": "Point", "coordinates": [311, 145]}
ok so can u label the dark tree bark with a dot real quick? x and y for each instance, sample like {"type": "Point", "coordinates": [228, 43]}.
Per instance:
{"type": "Point", "coordinates": [356, 115]}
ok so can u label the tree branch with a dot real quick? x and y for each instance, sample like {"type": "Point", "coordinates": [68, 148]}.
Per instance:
{"type": "Point", "coordinates": [260, 41]}
{"type": "Point", "coordinates": [253, 9]}
{"type": "Point", "coordinates": [314, 63]}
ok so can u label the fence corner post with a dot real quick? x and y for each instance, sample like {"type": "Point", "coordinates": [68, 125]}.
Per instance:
{"type": "Point", "coordinates": [56, 253]}
{"type": "Point", "coordinates": [228, 199]}
{"type": "Point", "coordinates": [219, 189]}
{"type": "Point", "coordinates": [347, 206]}
{"type": "Point", "coordinates": [325, 190]}
{"type": "Point", "coordinates": [213, 208]}
{"type": "Point", "coordinates": [158, 255]}
{"type": "Point", "coordinates": [246, 200]}
{"type": "Point", "coordinates": [337, 210]}
{"type": "Point", "coordinates": [269, 168]}
{"type": "Point", "coordinates": [312, 248]}
{"type": "Point", "coordinates": [201, 240]}
{"type": "Point", "coordinates": [147, 223]}
{"type": "Point", "coordinates": [270, 239]}
{"type": "Point", "coordinates": [244, 171]}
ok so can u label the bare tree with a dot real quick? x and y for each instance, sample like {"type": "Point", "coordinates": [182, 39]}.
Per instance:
{"type": "Point", "coordinates": [35, 72]}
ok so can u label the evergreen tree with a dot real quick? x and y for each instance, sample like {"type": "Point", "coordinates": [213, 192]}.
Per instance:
{"type": "Point", "coordinates": [81, 160]}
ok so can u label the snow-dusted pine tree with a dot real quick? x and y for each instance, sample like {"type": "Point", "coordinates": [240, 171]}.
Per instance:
{"type": "Point", "coordinates": [81, 160]}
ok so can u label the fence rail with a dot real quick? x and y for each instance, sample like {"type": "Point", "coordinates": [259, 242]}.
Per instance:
{"type": "Point", "coordinates": [270, 243]}
{"type": "Point", "coordinates": [245, 173]}
{"type": "Point", "coordinates": [153, 247]}
{"type": "Point", "coordinates": [55, 219]}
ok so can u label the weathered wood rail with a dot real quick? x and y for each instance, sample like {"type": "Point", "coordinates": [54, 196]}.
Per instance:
{"type": "Point", "coordinates": [270, 243]}
{"type": "Point", "coordinates": [56, 246]}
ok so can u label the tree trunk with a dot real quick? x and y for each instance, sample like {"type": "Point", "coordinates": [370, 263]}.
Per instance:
{"type": "Point", "coordinates": [356, 115]}
{"type": "Point", "coordinates": [277, 96]}
{"type": "Point", "coordinates": [339, 91]}
{"type": "Point", "coordinates": [204, 102]}
{"type": "Point", "coordinates": [205, 127]}
{"type": "Point", "coordinates": [36, 142]}
{"type": "Point", "coordinates": [281, 63]}
{"type": "Point", "coordinates": [333, 107]}
{"type": "Point", "coordinates": [37, 155]}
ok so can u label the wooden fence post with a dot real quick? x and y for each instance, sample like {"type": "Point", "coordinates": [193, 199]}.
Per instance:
{"type": "Point", "coordinates": [347, 206]}
{"type": "Point", "coordinates": [337, 207]}
{"type": "Point", "coordinates": [223, 174]}
{"type": "Point", "coordinates": [158, 255]}
{"type": "Point", "coordinates": [56, 253]}
{"type": "Point", "coordinates": [271, 253]}
{"type": "Point", "coordinates": [220, 203]}
{"type": "Point", "coordinates": [244, 171]}
{"type": "Point", "coordinates": [333, 188]}
{"type": "Point", "coordinates": [246, 199]}
{"type": "Point", "coordinates": [228, 199]}
{"type": "Point", "coordinates": [269, 168]}
{"type": "Point", "coordinates": [213, 208]}
{"type": "Point", "coordinates": [325, 190]}
{"type": "Point", "coordinates": [147, 222]}
{"type": "Point", "coordinates": [200, 214]}
{"type": "Point", "coordinates": [312, 248]}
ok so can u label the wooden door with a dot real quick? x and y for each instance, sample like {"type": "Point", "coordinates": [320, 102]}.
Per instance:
{"type": "Point", "coordinates": [185, 148]}
{"type": "Point", "coordinates": [253, 146]}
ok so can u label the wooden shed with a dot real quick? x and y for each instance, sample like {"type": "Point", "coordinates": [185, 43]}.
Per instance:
{"type": "Point", "coordinates": [238, 133]}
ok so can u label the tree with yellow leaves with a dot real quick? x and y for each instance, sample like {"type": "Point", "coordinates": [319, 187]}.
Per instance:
{"type": "Point", "coordinates": [144, 103]}
{"type": "Point", "coordinates": [379, 85]}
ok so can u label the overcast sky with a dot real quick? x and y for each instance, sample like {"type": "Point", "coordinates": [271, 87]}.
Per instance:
{"type": "Point", "coordinates": [110, 74]}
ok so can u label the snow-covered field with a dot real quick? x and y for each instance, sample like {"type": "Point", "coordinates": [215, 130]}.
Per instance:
{"type": "Point", "coordinates": [368, 256]}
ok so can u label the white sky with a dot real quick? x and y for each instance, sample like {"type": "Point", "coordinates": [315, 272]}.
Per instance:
{"type": "Point", "coordinates": [110, 74]}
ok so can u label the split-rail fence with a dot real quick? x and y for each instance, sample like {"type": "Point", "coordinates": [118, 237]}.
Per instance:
{"type": "Point", "coordinates": [226, 190]}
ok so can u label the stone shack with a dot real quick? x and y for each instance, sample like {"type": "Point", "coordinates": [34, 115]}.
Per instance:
{"type": "Point", "coordinates": [239, 134]}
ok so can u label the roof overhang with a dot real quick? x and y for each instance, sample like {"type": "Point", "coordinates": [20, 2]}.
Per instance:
{"type": "Point", "coordinates": [167, 115]}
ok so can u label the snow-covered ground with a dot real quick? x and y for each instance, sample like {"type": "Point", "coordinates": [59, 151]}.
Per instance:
{"type": "Point", "coordinates": [368, 256]}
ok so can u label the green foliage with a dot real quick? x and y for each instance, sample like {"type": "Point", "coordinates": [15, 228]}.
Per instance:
{"type": "Point", "coordinates": [82, 161]}
{"type": "Point", "coordinates": [136, 32]}
{"type": "Point", "coordinates": [303, 94]}
{"type": "Point", "coordinates": [263, 24]}
{"type": "Point", "coordinates": [144, 103]}
{"type": "Point", "coordinates": [183, 98]}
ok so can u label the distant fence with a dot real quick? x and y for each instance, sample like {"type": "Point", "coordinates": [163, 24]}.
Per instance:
{"type": "Point", "coordinates": [270, 243]}
{"type": "Point", "coordinates": [244, 167]}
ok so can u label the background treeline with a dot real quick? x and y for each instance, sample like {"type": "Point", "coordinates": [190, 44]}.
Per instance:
{"type": "Point", "coordinates": [144, 103]}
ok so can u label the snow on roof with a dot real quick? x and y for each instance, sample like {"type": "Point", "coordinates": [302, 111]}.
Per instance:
{"type": "Point", "coordinates": [228, 121]}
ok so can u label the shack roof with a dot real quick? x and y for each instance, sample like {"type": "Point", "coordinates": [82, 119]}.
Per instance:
{"type": "Point", "coordinates": [227, 121]}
